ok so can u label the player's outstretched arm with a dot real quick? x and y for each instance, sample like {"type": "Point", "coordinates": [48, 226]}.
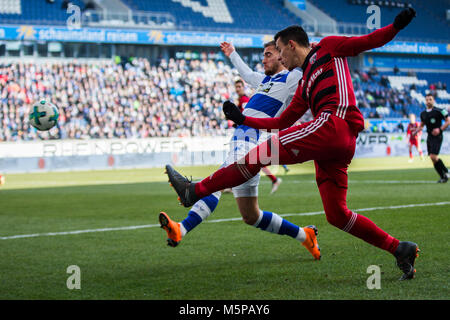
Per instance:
{"type": "Point", "coordinates": [251, 77]}
{"type": "Point", "coordinates": [352, 46]}
{"type": "Point", "coordinates": [227, 48]}
{"type": "Point", "coordinates": [293, 112]}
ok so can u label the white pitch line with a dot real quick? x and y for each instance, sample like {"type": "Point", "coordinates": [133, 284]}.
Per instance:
{"type": "Point", "coordinates": [370, 181]}
{"type": "Point", "coordinates": [48, 234]}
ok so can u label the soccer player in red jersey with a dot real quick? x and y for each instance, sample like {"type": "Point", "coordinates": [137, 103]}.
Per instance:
{"type": "Point", "coordinates": [240, 90]}
{"type": "Point", "coordinates": [329, 139]}
{"type": "Point", "coordinates": [413, 137]}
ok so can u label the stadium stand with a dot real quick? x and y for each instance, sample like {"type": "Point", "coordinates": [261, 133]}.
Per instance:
{"type": "Point", "coordinates": [35, 12]}
{"type": "Point", "coordinates": [183, 97]}
{"type": "Point", "coordinates": [385, 94]}
{"type": "Point", "coordinates": [173, 98]}
{"type": "Point", "coordinates": [237, 16]}
{"type": "Point", "coordinates": [354, 12]}
{"type": "Point", "coordinates": [104, 100]}
{"type": "Point", "coordinates": [242, 15]}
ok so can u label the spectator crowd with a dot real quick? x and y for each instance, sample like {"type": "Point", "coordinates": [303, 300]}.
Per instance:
{"type": "Point", "coordinates": [176, 98]}
{"type": "Point", "coordinates": [106, 100]}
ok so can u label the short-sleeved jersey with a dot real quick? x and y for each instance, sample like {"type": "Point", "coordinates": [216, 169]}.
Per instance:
{"type": "Point", "coordinates": [433, 118]}
{"type": "Point", "coordinates": [410, 130]}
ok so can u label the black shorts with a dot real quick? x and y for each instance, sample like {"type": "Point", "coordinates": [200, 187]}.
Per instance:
{"type": "Point", "coordinates": [434, 143]}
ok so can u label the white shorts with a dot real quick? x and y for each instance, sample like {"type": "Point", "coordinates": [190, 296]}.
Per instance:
{"type": "Point", "coordinates": [238, 149]}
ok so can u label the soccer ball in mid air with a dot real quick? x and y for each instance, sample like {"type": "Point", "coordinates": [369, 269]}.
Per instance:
{"type": "Point", "coordinates": [43, 115]}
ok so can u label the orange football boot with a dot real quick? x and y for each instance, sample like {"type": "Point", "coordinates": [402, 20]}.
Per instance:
{"type": "Point", "coordinates": [172, 228]}
{"type": "Point", "coordinates": [311, 241]}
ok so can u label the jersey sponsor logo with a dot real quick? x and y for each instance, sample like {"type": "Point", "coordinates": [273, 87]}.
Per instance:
{"type": "Point", "coordinates": [265, 87]}
{"type": "Point", "coordinates": [433, 120]}
{"type": "Point", "coordinates": [312, 79]}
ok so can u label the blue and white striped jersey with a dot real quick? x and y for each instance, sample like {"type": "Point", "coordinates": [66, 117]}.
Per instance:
{"type": "Point", "coordinates": [272, 95]}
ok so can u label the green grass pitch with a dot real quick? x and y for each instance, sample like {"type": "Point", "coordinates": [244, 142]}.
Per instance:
{"type": "Point", "coordinates": [41, 214]}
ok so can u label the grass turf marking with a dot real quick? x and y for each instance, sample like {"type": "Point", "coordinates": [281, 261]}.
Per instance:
{"type": "Point", "coordinates": [49, 234]}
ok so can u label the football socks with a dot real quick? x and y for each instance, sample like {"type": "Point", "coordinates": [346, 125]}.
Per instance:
{"type": "Point", "coordinates": [272, 222]}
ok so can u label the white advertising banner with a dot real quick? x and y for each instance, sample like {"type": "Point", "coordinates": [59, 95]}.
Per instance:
{"type": "Point", "coordinates": [64, 148]}
{"type": "Point", "coordinates": [373, 145]}
{"type": "Point", "coordinates": [66, 155]}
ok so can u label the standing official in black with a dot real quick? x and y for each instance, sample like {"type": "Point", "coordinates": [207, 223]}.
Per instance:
{"type": "Point", "coordinates": [433, 117]}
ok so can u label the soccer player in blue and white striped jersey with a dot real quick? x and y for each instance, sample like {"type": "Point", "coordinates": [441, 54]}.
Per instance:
{"type": "Point", "coordinates": [274, 91]}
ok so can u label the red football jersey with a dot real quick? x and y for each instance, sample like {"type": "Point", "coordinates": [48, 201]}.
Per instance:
{"type": "Point", "coordinates": [409, 131]}
{"type": "Point", "coordinates": [326, 83]}
{"type": "Point", "coordinates": [242, 102]}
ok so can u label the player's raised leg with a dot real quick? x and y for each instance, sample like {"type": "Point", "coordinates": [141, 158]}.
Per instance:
{"type": "Point", "coordinates": [331, 178]}
{"type": "Point", "coordinates": [232, 175]}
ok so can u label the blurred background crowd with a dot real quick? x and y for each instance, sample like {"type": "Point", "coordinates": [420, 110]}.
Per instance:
{"type": "Point", "coordinates": [174, 98]}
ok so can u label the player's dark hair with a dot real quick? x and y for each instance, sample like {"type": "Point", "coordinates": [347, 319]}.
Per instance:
{"type": "Point", "coordinates": [295, 33]}
{"type": "Point", "coordinates": [429, 95]}
{"type": "Point", "coordinates": [239, 81]}
{"type": "Point", "coordinates": [270, 43]}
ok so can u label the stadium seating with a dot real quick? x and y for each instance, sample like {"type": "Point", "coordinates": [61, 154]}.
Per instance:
{"type": "Point", "coordinates": [430, 19]}
{"type": "Point", "coordinates": [400, 94]}
{"type": "Point", "coordinates": [238, 16]}
{"type": "Point", "coordinates": [399, 82]}
{"type": "Point", "coordinates": [35, 12]}
{"type": "Point", "coordinates": [379, 94]}
{"type": "Point", "coordinates": [10, 7]}
{"type": "Point", "coordinates": [179, 97]}
{"type": "Point", "coordinates": [267, 17]}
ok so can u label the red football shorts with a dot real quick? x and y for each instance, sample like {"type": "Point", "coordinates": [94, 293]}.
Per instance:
{"type": "Point", "coordinates": [328, 140]}
{"type": "Point", "coordinates": [414, 143]}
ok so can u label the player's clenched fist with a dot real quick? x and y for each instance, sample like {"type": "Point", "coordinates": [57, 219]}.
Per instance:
{"type": "Point", "coordinates": [232, 112]}
{"type": "Point", "coordinates": [404, 18]}
{"type": "Point", "coordinates": [227, 48]}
